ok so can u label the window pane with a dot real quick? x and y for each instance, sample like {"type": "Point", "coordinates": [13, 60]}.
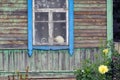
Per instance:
{"type": "Point", "coordinates": [60, 30]}
{"type": "Point", "coordinates": [41, 33]}
{"type": "Point", "coordinates": [41, 16]}
{"type": "Point", "coordinates": [50, 4]}
{"type": "Point", "coordinates": [59, 16]}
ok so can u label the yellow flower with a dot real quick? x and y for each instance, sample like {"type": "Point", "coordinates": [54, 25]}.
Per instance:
{"type": "Point", "coordinates": [105, 51]}
{"type": "Point", "coordinates": [103, 69]}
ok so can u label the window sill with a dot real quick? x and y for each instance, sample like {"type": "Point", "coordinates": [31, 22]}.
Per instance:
{"type": "Point", "coordinates": [50, 47]}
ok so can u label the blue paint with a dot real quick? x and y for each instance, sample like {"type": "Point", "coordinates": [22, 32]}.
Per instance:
{"type": "Point", "coordinates": [50, 47]}
{"type": "Point", "coordinates": [71, 27]}
{"type": "Point", "coordinates": [30, 28]}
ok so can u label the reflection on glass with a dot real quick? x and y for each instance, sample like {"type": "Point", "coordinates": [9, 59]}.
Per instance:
{"type": "Point", "coordinates": [41, 33]}
{"type": "Point", "coordinates": [59, 16]}
{"type": "Point", "coordinates": [50, 4]}
{"type": "Point", "coordinates": [60, 30]}
{"type": "Point", "coordinates": [41, 16]}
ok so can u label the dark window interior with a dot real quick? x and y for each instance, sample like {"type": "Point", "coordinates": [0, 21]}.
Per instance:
{"type": "Point", "coordinates": [116, 20]}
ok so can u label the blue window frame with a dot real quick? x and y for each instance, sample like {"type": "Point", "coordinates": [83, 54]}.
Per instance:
{"type": "Point", "coordinates": [70, 24]}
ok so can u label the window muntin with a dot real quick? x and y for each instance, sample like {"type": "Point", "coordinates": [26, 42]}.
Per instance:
{"type": "Point", "coordinates": [50, 22]}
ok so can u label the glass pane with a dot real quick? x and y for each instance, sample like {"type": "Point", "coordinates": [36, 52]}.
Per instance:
{"type": "Point", "coordinates": [50, 4]}
{"type": "Point", "coordinates": [41, 16]}
{"type": "Point", "coordinates": [41, 33]}
{"type": "Point", "coordinates": [59, 16]}
{"type": "Point", "coordinates": [59, 30]}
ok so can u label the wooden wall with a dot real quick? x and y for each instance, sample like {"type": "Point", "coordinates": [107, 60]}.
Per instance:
{"type": "Point", "coordinates": [43, 61]}
{"type": "Point", "coordinates": [90, 27]}
{"type": "Point", "coordinates": [117, 46]}
{"type": "Point", "coordinates": [13, 24]}
{"type": "Point", "coordinates": [90, 22]}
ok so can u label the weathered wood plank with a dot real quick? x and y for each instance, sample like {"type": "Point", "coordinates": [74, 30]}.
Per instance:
{"type": "Point", "coordinates": [13, 1]}
{"type": "Point", "coordinates": [13, 42]}
{"type": "Point", "coordinates": [117, 46]}
{"type": "Point", "coordinates": [44, 64]}
{"type": "Point", "coordinates": [77, 59]}
{"type": "Point", "coordinates": [67, 60]}
{"type": "Point", "coordinates": [32, 63]}
{"type": "Point", "coordinates": [87, 45]}
{"type": "Point", "coordinates": [10, 61]}
{"type": "Point", "coordinates": [90, 30]}
{"type": "Point", "coordinates": [12, 17]}
{"type": "Point", "coordinates": [89, 5]}
{"type": "Point", "coordinates": [72, 62]}
{"type": "Point", "coordinates": [13, 25]}
{"type": "Point", "coordinates": [90, 12]}
{"type": "Point", "coordinates": [60, 60]}
{"type": "Point", "coordinates": [86, 26]}
{"type": "Point", "coordinates": [36, 56]}
{"type": "Point", "coordinates": [49, 57]}
{"type": "Point", "coordinates": [5, 58]}
{"type": "Point", "coordinates": [13, 20]}
{"type": "Point", "coordinates": [88, 41]}
{"type": "Point", "coordinates": [13, 31]}
{"type": "Point", "coordinates": [90, 34]}
{"type": "Point", "coordinates": [39, 62]}
{"type": "Point", "coordinates": [90, 16]}
{"type": "Point", "coordinates": [89, 9]}
{"type": "Point", "coordinates": [89, 2]}
{"type": "Point", "coordinates": [13, 35]}
{"type": "Point", "coordinates": [90, 20]}
{"type": "Point", "coordinates": [90, 24]}
{"type": "Point", "coordinates": [14, 13]}
{"type": "Point", "coordinates": [90, 38]}
{"type": "Point", "coordinates": [23, 67]}
{"type": "Point", "coordinates": [1, 61]}
{"type": "Point", "coordinates": [55, 60]}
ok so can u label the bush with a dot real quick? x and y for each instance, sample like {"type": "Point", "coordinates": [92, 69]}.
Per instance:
{"type": "Point", "coordinates": [105, 67]}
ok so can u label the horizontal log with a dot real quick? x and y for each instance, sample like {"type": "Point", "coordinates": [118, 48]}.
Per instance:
{"type": "Point", "coordinates": [13, 42]}
{"type": "Point", "coordinates": [12, 17]}
{"type": "Point", "coordinates": [90, 9]}
{"type": "Point", "coordinates": [13, 1]}
{"type": "Point", "coordinates": [90, 24]}
{"type": "Point", "coordinates": [13, 31]}
{"type": "Point", "coordinates": [90, 12]}
{"type": "Point", "coordinates": [13, 24]}
{"type": "Point", "coordinates": [88, 41]}
{"type": "Point", "coordinates": [90, 34]}
{"type": "Point", "coordinates": [90, 31]}
{"type": "Point", "coordinates": [89, 5]}
{"type": "Point", "coordinates": [7, 27]}
{"type": "Point", "coordinates": [91, 20]}
{"type": "Point", "coordinates": [89, 1]}
{"type": "Point", "coordinates": [17, 5]}
{"type": "Point", "coordinates": [12, 20]}
{"type": "Point", "coordinates": [12, 38]}
{"type": "Point", "coordinates": [14, 13]}
{"type": "Point", "coordinates": [90, 27]}
{"type": "Point", "coordinates": [90, 16]}
{"type": "Point", "coordinates": [87, 45]}
{"type": "Point", "coordinates": [89, 38]}
{"type": "Point", "coordinates": [13, 35]}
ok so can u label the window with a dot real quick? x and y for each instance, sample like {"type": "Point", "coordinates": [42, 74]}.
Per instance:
{"type": "Point", "coordinates": [50, 22]}
{"type": "Point", "coordinates": [50, 25]}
